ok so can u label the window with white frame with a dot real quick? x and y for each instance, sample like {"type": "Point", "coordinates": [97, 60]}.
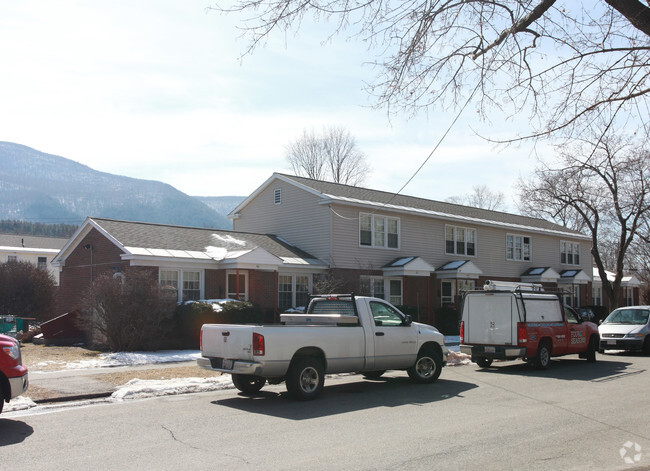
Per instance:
{"type": "Point", "coordinates": [378, 231]}
{"type": "Point", "coordinates": [277, 196]}
{"type": "Point", "coordinates": [460, 241]}
{"type": "Point", "coordinates": [189, 282]}
{"type": "Point", "coordinates": [372, 286]}
{"type": "Point", "coordinates": [395, 291]}
{"type": "Point", "coordinates": [191, 285]}
{"type": "Point", "coordinates": [237, 285]}
{"type": "Point", "coordinates": [629, 295]}
{"type": "Point", "coordinates": [518, 248]}
{"type": "Point", "coordinates": [450, 288]}
{"type": "Point", "coordinates": [293, 290]}
{"type": "Point", "coordinates": [572, 296]}
{"type": "Point", "coordinates": [569, 253]}
{"type": "Point", "coordinates": [597, 295]}
{"type": "Point", "coordinates": [42, 263]}
{"type": "Point", "coordinates": [12, 258]}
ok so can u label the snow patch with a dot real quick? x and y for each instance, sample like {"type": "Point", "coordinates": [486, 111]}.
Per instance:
{"type": "Point", "coordinates": [139, 388]}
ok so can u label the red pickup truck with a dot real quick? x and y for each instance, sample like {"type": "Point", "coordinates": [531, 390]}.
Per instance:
{"type": "Point", "coordinates": [13, 374]}
{"type": "Point", "coordinates": [509, 322]}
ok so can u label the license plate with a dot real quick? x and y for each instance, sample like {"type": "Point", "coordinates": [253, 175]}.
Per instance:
{"type": "Point", "coordinates": [227, 365]}
{"type": "Point", "coordinates": [490, 350]}
{"type": "Point", "coordinates": [611, 342]}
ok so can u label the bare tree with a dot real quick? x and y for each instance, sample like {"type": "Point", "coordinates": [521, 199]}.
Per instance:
{"type": "Point", "coordinates": [129, 312]}
{"type": "Point", "coordinates": [562, 65]}
{"type": "Point", "coordinates": [481, 197]}
{"type": "Point", "coordinates": [332, 155]}
{"type": "Point", "coordinates": [603, 185]}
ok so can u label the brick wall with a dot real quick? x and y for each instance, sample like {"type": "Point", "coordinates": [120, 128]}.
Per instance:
{"type": "Point", "coordinates": [84, 265]}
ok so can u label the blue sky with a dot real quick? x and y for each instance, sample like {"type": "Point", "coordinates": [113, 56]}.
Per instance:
{"type": "Point", "coordinates": [156, 90]}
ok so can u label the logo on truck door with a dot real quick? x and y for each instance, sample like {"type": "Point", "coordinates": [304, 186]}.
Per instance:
{"type": "Point", "coordinates": [577, 336]}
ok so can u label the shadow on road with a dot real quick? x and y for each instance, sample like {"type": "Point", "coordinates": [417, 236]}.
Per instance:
{"type": "Point", "coordinates": [569, 369]}
{"type": "Point", "coordinates": [354, 396]}
{"type": "Point", "coordinates": [13, 431]}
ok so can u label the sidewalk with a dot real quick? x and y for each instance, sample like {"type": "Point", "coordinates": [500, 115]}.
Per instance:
{"type": "Point", "coordinates": [82, 384]}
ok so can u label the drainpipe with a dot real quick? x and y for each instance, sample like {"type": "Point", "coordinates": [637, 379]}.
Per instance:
{"type": "Point", "coordinates": [90, 247]}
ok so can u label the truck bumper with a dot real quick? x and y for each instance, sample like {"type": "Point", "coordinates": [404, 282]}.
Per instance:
{"type": "Point", "coordinates": [499, 352]}
{"type": "Point", "coordinates": [18, 385]}
{"type": "Point", "coordinates": [237, 367]}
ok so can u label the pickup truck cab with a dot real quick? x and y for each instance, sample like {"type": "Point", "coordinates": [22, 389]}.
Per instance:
{"type": "Point", "coordinates": [516, 320]}
{"type": "Point", "coordinates": [337, 334]}
{"type": "Point", "coordinates": [13, 374]}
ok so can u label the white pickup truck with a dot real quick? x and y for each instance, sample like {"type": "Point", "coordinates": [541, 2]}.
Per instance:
{"type": "Point", "coordinates": [337, 334]}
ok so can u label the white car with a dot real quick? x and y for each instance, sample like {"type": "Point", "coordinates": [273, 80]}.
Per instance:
{"type": "Point", "coordinates": [626, 328]}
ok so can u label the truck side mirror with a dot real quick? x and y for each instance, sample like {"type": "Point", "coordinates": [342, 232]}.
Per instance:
{"type": "Point", "coordinates": [408, 320]}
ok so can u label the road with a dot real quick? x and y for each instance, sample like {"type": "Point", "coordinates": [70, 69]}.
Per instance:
{"type": "Point", "coordinates": [576, 415]}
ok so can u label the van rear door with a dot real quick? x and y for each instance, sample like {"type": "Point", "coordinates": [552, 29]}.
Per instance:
{"type": "Point", "coordinates": [490, 318]}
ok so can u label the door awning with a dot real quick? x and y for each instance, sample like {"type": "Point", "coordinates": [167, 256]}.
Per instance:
{"type": "Point", "coordinates": [463, 269]}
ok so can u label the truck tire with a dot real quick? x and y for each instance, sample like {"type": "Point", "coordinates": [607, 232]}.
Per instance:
{"type": "Point", "coordinates": [427, 367]}
{"type": "Point", "coordinates": [373, 374]}
{"type": "Point", "coordinates": [590, 354]}
{"type": "Point", "coordinates": [305, 378]}
{"type": "Point", "coordinates": [543, 359]}
{"type": "Point", "coordinates": [483, 362]}
{"type": "Point", "coordinates": [248, 384]}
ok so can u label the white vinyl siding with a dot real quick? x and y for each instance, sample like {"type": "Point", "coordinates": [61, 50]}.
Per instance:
{"type": "Point", "coordinates": [300, 219]}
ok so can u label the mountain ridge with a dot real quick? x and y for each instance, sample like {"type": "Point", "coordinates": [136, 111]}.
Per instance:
{"type": "Point", "coordinates": [40, 187]}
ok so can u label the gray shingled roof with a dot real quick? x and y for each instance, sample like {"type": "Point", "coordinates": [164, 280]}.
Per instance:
{"type": "Point", "coordinates": [382, 197]}
{"type": "Point", "coordinates": [161, 236]}
{"type": "Point", "coordinates": [32, 242]}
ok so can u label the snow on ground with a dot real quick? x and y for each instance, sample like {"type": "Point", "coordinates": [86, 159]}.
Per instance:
{"type": "Point", "coordinates": [129, 359]}
{"type": "Point", "coordinates": [139, 389]}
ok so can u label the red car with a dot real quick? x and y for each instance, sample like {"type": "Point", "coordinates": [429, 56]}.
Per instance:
{"type": "Point", "coordinates": [13, 374]}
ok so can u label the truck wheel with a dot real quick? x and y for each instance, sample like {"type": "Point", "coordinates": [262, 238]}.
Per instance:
{"type": "Point", "coordinates": [590, 354]}
{"type": "Point", "coordinates": [305, 378]}
{"type": "Point", "coordinates": [248, 384]}
{"type": "Point", "coordinates": [427, 367]}
{"type": "Point", "coordinates": [483, 362]}
{"type": "Point", "coordinates": [373, 374]}
{"type": "Point", "coordinates": [543, 359]}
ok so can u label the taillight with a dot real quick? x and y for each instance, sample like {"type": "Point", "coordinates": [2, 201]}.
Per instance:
{"type": "Point", "coordinates": [258, 344]}
{"type": "Point", "coordinates": [462, 331]}
{"type": "Point", "coordinates": [522, 335]}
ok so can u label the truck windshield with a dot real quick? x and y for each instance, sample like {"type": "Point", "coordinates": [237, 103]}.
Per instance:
{"type": "Point", "coordinates": [628, 316]}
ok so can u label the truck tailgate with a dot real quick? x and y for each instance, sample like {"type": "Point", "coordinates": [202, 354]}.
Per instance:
{"type": "Point", "coordinates": [492, 322]}
{"type": "Point", "coordinates": [227, 341]}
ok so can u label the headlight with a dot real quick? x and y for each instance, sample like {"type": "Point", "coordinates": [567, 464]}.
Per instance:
{"type": "Point", "coordinates": [635, 336]}
{"type": "Point", "coordinates": [13, 352]}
